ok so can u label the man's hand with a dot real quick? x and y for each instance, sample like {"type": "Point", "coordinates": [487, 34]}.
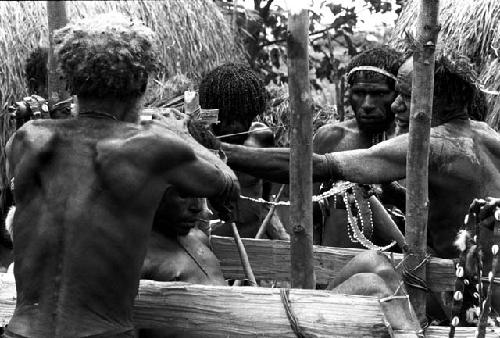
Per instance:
{"type": "Point", "coordinates": [172, 119]}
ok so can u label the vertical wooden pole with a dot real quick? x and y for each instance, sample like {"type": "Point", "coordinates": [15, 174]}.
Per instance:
{"type": "Point", "coordinates": [302, 271]}
{"type": "Point", "coordinates": [56, 88]}
{"type": "Point", "coordinates": [417, 203]}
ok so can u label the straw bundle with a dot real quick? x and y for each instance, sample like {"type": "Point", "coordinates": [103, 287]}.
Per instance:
{"type": "Point", "coordinates": [193, 37]}
{"type": "Point", "coordinates": [470, 28]}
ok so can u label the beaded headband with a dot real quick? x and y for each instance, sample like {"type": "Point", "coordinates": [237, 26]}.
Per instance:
{"type": "Point", "coordinates": [372, 69]}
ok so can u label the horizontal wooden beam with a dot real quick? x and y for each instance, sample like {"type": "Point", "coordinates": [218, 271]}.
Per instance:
{"type": "Point", "coordinates": [270, 260]}
{"type": "Point", "coordinates": [219, 311]}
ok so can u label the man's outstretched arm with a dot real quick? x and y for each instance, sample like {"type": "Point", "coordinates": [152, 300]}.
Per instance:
{"type": "Point", "coordinates": [381, 163]}
{"type": "Point", "coordinates": [272, 164]}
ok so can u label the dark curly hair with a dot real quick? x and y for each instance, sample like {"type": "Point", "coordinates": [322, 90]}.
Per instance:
{"type": "Point", "coordinates": [383, 57]}
{"type": "Point", "coordinates": [236, 90]}
{"type": "Point", "coordinates": [36, 68]}
{"type": "Point", "coordinates": [106, 55]}
{"type": "Point", "coordinates": [456, 78]}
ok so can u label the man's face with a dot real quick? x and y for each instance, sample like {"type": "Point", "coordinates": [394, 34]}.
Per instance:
{"type": "Point", "coordinates": [401, 106]}
{"type": "Point", "coordinates": [371, 98]}
{"type": "Point", "coordinates": [181, 213]}
{"type": "Point", "coordinates": [230, 125]}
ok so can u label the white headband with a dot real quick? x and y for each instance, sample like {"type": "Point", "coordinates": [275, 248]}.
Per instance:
{"type": "Point", "coordinates": [372, 69]}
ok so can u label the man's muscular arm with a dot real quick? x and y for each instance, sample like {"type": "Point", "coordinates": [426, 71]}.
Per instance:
{"type": "Point", "coordinates": [272, 164]}
{"type": "Point", "coordinates": [201, 177]}
{"type": "Point", "coordinates": [383, 162]}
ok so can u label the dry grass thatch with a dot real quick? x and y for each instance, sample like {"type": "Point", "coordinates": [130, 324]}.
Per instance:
{"type": "Point", "coordinates": [194, 38]}
{"type": "Point", "coordinates": [470, 28]}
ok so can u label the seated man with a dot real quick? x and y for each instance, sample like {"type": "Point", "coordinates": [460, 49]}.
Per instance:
{"type": "Point", "coordinates": [464, 159]}
{"type": "Point", "coordinates": [178, 250]}
{"type": "Point", "coordinates": [371, 79]}
{"type": "Point", "coordinates": [86, 189]}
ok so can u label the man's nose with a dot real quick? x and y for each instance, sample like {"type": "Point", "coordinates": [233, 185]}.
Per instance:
{"type": "Point", "coordinates": [200, 207]}
{"type": "Point", "coordinates": [368, 104]}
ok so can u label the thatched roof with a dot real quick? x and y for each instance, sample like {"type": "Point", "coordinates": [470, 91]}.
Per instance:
{"type": "Point", "coordinates": [470, 28]}
{"type": "Point", "coordinates": [194, 39]}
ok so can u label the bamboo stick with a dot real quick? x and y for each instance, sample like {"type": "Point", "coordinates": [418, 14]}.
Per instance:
{"type": "Point", "coordinates": [302, 261]}
{"type": "Point", "coordinates": [385, 223]}
{"type": "Point", "coordinates": [56, 87]}
{"type": "Point", "coordinates": [417, 203]}
{"type": "Point", "coordinates": [243, 256]}
{"type": "Point", "coordinates": [263, 226]}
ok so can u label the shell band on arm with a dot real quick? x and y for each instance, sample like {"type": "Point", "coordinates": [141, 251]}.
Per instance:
{"type": "Point", "coordinates": [372, 69]}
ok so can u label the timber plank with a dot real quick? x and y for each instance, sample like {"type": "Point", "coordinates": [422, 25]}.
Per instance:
{"type": "Point", "coordinates": [270, 260]}
{"type": "Point", "coordinates": [218, 311]}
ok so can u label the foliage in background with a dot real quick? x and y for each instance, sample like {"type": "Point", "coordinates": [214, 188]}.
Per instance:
{"type": "Point", "coordinates": [264, 28]}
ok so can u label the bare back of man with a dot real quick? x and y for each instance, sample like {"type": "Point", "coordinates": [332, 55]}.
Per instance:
{"type": "Point", "coordinates": [86, 192]}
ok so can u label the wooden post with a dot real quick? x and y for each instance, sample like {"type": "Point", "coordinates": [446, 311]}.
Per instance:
{"type": "Point", "coordinates": [417, 203]}
{"type": "Point", "coordinates": [302, 272]}
{"type": "Point", "coordinates": [56, 88]}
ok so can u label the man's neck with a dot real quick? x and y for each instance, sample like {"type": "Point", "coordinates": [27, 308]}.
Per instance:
{"type": "Point", "coordinates": [449, 115]}
{"type": "Point", "coordinates": [377, 136]}
{"type": "Point", "coordinates": [122, 109]}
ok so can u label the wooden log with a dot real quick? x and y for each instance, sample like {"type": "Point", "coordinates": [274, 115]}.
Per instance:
{"type": "Point", "coordinates": [300, 152]}
{"type": "Point", "coordinates": [270, 260]}
{"type": "Point", "coordinates": [218, 311]}
{"type": "Point", "coordinates": [56, 88]}
{"type": "Point", "coordinates": [417, 163]}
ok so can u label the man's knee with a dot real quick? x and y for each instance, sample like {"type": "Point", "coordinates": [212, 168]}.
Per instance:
{"type": "Point", "coordinates": [364, 284]}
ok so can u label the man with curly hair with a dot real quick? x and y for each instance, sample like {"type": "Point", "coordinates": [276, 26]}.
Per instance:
{"type": "Point", "coordinates": [87, 188]}
{"type": "Point", "coordinates": [371, 76]}
{"type": "Point", "coordinates": [239, 94]}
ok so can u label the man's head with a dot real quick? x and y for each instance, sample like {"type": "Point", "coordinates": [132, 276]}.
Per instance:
{"type": "Point", "coordinates": [371, 77]}
{"type": "Point", "coordinates": [453, 92]}
{"type": "Point", "coordinates": [36, 71]}
{"type": "Point", "coordinates": [106, 56]}
{"type": "Point", "coordinates": [177, 215]}
{"type": "Point", "coordinates": [238, 93]}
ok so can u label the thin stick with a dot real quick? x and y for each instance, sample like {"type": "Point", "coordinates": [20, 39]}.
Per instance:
{"type": "Point", "coordinates": [266, 220]}
{"type": "Point", "coordinates": [243, 256]}
{"type": "Point", "coordinates": [385, 223]}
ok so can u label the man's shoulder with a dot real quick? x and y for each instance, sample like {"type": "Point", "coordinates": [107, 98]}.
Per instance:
{"type": "Point", "coordinates": [147, 142]}
{"type": "Point", "coordinates": [337, 137]}
{"type": "Point", "coordinates": [34, 133]}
